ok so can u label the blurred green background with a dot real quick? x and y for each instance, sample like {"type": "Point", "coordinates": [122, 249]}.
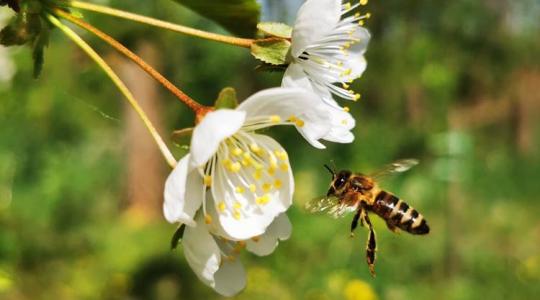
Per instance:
{"type": "Point", "coordinates": [455, 84]}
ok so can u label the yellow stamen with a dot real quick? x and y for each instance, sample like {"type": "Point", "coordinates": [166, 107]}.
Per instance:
{"type": "Point", "coordinates": [252, 188]}
{"type": "Point", "coordinates": [357, 97]}
{"type": "Point", "coordinates": [284, 167]}
{"type": "Point", "coordinates": [207, 180]}
{"type": "Point", "coordinates": [300, 123]}
{"type": "Point", "coordinates": [235, 167]}
{"type": "Point", "coordinates": [237, 152]}
{"type": "Point", "coordinates": [256, 239]}
{"type": "Point", "coordinates": [257, 175]}
{"type": "Point", "coordinates": [266, 187]}
{"type": "Point", "coordinates": [207, 219]}
{"type": "Point", "coordinates": [237, 205]}
{"type": "Point", "coordinates": [263, 200]}
{"type": "Point", "coordinates": [221, 206]}
{"type": "Point", "coordinates": [346, 109]}
{"type": "Point", "coordinates": [240, 190]}
{"type": "Point", "coordinates": [278, 184]}
{"type": "Point", "coordinates": [363, 2]}
{"type": "Point", "coordinates": [255, 148]}
{"type": "Point", "coordinates": [236, 214]}
{"type": "Point", "coordinates": [275, 119]}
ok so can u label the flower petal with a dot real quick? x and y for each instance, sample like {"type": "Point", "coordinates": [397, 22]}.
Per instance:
{"type": "Point", "coordinates": [316, 18]}
{"type": "Point", "coordinates": [213, 129]}
{"type": "Point", "coordinates": [291, 102]}
{"type": "Point", "coordinates": [248, 214]}
{"type": "Point", "coordinates": [279, 230]}
{"type": "Point", "coordinates": [230, 279]}
{"type": "Point", "coordinates": [357, 62]}
{"type": "Point", "coordinates": [183, 193]}
{"type": "Point", "coordinates": [342, 124]}
{"type": "Point", "coordinates": [202, 252]}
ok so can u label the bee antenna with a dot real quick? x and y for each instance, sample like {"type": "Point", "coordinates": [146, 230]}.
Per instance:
{"type": "Point", "coordinates": [330, 170]}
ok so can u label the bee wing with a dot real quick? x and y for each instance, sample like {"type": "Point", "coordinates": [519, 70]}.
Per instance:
{"type": "Point", "coordinates": [398, 166]}
{"type": "Point", "coordinates": [330, 205]}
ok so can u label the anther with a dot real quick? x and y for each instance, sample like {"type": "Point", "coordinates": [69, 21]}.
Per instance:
{"type": "Point", "coordinates": [266, 187]}
{"type": "Point", "coordinates": [207, 180]}
{"type": "Point", "coordinates": [207, 219]}
{"type": "Point", "coordinates": [235, 167]}
{"type": "Point", "coordinates": [263, 200]}
{"type": "Point", "coordinates": [252, 188]}
{"type": "Point", "coordinates": [277, 184]}
{"type": "Point", "coordinates": [275, 119]}
{"type": "Point", "coordinates": [237, 151]}
{"type": "Point", "coordinates": [236, 214]}
{"type": "Point", "coordinates": [221, 207]}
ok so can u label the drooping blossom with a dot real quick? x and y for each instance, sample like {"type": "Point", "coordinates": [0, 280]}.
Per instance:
{"type": "Point", "coordinates": [214, 259]}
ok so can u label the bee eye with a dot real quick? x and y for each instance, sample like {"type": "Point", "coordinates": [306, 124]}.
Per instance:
{"type": "Point", "coordinates": [340, 182]}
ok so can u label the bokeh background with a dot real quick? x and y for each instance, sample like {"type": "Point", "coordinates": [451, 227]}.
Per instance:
{"type": "Point", "coordinates": [455, 84]}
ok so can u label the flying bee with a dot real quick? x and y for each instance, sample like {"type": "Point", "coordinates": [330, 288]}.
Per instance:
{"type": "Point", "coordinates": [355, 192]}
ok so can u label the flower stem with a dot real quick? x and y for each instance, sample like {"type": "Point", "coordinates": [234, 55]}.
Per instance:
{"type": "Point", "coordinates": [121, 86]}
{"type": "Point", "coordinates": [246, 43]}
{"type": "Point", "coordinates": [192, 104]}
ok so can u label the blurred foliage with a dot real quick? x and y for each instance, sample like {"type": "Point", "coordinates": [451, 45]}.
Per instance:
{"type": "Point", "coordinates": [68, 233]}
{"type": "Point", "coordinates": [238, 16]}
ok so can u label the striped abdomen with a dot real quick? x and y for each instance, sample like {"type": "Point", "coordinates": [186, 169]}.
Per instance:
{"type": "Point", "coordinates": [399, 214]}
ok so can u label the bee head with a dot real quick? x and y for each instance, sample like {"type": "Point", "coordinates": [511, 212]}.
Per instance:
{"type": "Point", "coordinates": [338, 181]}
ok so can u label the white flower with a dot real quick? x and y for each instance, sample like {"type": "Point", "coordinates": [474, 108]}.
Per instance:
{"type": "Point", "coordinates": [247, 174]}
{"type": "Point", "coordinates": [214, 259]}
{"type": "Point", "coordinates": [327, 49]}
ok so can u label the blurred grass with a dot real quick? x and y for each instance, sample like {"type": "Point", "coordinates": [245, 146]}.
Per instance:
{"type": "Point", "coordinates": [67, 231]}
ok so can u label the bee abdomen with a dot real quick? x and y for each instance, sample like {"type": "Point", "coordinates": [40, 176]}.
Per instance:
{"type": "Point", "coordinates": [399, 214]}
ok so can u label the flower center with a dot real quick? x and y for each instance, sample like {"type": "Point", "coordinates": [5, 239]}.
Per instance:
{"type": "Point", "coordinates": [246, 173]}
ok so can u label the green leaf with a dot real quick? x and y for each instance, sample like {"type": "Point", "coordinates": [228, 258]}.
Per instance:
{"type": "Point", "coordinates": [177, 236]}
{"type": "Point", "coordinates": [239, 17]}
{"type": "Point", "coordinates": [227, 99]}
{"type": "Point", "coordinates": [272, 52]}
{"type": "Point", "coordinates": [275, 29]}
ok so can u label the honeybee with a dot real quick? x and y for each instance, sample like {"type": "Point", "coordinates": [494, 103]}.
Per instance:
{"type": "Point", "coordinates": [355, 192]}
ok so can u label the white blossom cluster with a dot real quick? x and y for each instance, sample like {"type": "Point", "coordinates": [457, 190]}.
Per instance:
{"type": "Point", "coordinates": [233, 188]}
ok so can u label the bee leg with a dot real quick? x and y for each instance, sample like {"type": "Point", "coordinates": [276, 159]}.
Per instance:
{"type": "Point", "coordinates": [354, 223]}
{"type": "Point", "coordinates": [371, 246]}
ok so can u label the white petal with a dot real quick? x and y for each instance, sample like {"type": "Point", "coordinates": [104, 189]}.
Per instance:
{"type": "Point", "coordinates": [296, 77]}
{"type": "Point", "coordinates": [343, 123]}
{"type": "Point", "coordinates": [287, 102]}
{"type": "Point", "coordinates": [316, 18]}
{"type": "Point", "coordinates": [213, 129]}
{"type": "Point", "coordinates": [183, 193]}
{"type": "Point", "coordinates": [202, 252]}
{"type": "Point", "coordinates": [255, 217]}
{"type": "Point", "coordinates": [279, 230]}
{"type": "Point", "coordinates": [357, 62]}
{"type": "Point", "coordinates": [230, 279]}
